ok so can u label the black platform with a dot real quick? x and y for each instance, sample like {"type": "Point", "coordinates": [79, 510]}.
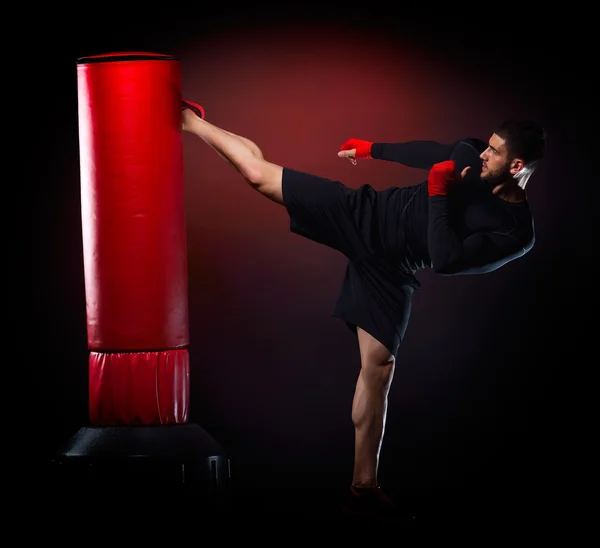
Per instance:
{"type": "Point", "coordinates": [145, 461]}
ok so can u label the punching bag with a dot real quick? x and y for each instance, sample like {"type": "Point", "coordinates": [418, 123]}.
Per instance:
{"type": "Point", "coordinates": [134, 240]}
{"type": "Point", "coordinates": [135, 270]}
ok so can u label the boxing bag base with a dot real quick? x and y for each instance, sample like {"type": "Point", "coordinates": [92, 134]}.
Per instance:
{"type": "Point", "coordinates": [174, 459]}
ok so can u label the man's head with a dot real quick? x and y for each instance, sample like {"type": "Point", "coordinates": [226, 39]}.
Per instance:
{"type": "Point", "coordinates": [514, 151]}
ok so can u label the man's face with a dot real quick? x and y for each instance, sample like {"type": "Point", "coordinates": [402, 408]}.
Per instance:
{"type": "Point", "coordinates": [496, 166]}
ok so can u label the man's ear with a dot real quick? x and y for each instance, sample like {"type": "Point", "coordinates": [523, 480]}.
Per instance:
{"type": "Point", "coordinates": [516, 165]}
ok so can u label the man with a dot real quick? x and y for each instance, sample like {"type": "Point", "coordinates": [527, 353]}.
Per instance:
{"type": "Point", "coordinates": [470, 216]}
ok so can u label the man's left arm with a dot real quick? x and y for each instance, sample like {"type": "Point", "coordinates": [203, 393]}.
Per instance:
{"type": "Point", "coordinates": [417, 154]}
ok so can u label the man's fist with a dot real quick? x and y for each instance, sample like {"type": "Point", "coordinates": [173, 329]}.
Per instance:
{"type": "Point", "coordinates": [442, 177]}
{"type": "Point", "coordinates": [356, 149]}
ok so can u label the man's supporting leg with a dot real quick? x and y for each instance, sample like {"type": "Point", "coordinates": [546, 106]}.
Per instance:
{"type": "Point", "coordinates": [244, 155]}
{"type": "Point", "coordinates": [369, 407]}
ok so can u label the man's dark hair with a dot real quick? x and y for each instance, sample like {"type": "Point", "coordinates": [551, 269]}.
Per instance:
{"type": "Point", "coordinates": [525, 139]}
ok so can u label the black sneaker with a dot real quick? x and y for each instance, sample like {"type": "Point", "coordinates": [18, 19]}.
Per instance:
{"type": "Point", "coordinates": [372, 504]}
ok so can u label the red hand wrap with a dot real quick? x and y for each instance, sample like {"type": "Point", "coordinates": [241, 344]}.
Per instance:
{"type": "Point", "coordinates": [442, 176]}
{"type": "Point", "coordinates": [363, 148]}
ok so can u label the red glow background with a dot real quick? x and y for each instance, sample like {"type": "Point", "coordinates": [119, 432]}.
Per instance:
{"type": "Point", "coordinates": [273, 374]}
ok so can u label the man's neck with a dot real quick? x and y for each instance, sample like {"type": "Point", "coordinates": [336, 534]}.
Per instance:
{"type": "Point", "coordinates": [509, 191]}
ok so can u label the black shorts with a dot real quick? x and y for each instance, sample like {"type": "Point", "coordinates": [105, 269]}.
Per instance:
{"type": "Point", "coordinates": [376, 292]}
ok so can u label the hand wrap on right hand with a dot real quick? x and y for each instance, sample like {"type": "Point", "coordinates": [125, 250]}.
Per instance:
{"type": "Point", "coordinates": [442, 177]}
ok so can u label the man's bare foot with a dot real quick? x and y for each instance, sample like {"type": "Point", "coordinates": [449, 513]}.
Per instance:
{"type": "Point", "coordinates": [188, 119]}
{"type": "Point", "coordinates": [190, 112]}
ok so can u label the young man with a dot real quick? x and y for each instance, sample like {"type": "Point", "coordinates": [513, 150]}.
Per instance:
{"type": "Point", "coordinates": [470, 216]}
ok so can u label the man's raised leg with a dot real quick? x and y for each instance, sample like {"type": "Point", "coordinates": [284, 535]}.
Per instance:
{"type": "Point", "coordinates": [243, 154]}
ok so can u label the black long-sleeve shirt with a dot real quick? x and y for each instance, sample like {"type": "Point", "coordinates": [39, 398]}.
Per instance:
{"type": "Point", "coordinates": [471, 230]}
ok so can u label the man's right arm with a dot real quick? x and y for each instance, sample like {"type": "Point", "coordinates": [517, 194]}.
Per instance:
{"type": "Point", "coordinates": [477, 253]}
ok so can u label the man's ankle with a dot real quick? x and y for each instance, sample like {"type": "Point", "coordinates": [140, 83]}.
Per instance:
{"type": "Point", "coordinates": [362, 488]}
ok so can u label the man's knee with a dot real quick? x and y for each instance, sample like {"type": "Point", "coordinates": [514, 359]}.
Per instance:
{"type": "Point", "coordinates": [265, 177]}
{"type": "Point", "coordinates": [378, 366]}
{"type": "Point", "coordinates": [252, 168]}
{"type": "Point", "coordinates": [377, 362]}
{"type": "Point", "coordinates": [372, 350]}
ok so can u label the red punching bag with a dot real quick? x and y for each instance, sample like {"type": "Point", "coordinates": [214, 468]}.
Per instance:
{"type": "Point", "coordinates": [135, 269]}
{"type": "Point", "coordinates": [134, 239]}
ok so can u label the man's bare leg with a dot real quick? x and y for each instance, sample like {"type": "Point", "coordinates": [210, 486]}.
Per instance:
{"type": "Point", "coordinates": [369, 407]}
{"type": "Point", "coordinates": [243, 154]}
